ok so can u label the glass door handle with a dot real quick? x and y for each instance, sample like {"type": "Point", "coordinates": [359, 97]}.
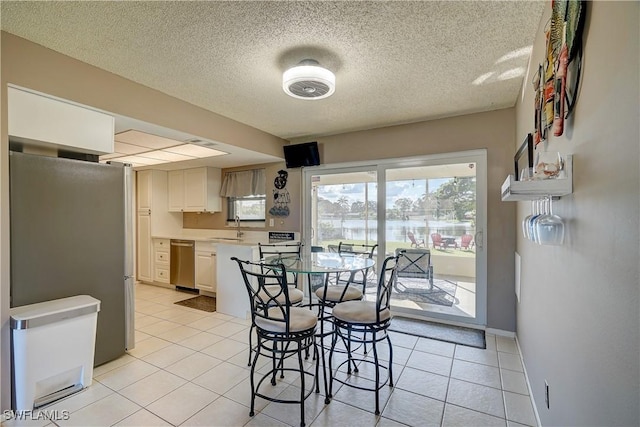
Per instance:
{"type": "Point", "coordinates": [479, 238]}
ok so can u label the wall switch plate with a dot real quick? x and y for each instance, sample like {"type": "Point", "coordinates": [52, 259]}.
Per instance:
{"type": "Point", "coordinates": [270, 222]}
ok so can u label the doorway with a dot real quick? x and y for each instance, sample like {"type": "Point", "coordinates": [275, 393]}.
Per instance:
{"type": "Point", "coordinates": [434, 207]}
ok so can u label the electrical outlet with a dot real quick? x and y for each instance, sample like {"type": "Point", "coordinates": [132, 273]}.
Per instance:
{"type": "Point", "coordinates": [546, 393]}
{"type": "Point", "coordinates": [270, 222]}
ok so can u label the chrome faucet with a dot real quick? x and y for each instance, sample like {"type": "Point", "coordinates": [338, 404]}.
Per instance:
{"type": "Point", "coordinates": [238, 232]}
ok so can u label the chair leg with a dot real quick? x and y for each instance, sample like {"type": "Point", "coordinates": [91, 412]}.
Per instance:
{"type": "Point", "coordinates": [334, 340]}
{"type": "Point", "coordinates": [251, 380]}
{"type": "Point", "coordinates": [377, 366]}
{"type": "Point", "coordinates": [250, 345]}
{"type": "Point", "coordinates": [302, 390]}
{"type": "Point", "coordinates": [317, 359]}
{"type": "Point", "coordinates": [390, 360]}
{"type": "Point", "coordinates": [273, 361]}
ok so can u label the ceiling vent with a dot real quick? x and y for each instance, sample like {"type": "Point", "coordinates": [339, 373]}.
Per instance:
{"type": "Point", "coordinates": [308, 80]}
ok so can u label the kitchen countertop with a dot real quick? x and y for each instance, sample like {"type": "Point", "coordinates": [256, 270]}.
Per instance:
{"type": "Point", "coordinates": [226, 237]}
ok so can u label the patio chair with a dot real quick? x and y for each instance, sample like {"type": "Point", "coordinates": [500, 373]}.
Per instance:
{"type": "Point", "coordinates": [436, 238]}
{"type": "Point", "coordinates": [466, 241]}
{"type": "Point", "coordinates": [415, 264]}
{"type": "Point", "coordinates": [415, 243]}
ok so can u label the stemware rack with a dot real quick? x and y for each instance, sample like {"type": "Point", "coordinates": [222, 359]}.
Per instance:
{"type": "Point", "coordinates": [514, 191]}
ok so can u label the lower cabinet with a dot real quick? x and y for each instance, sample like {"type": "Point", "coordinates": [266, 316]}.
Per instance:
{"type": "Point", "coordinates": [161, 260]}
{"type": "Point", "coordinates": [206, 260]}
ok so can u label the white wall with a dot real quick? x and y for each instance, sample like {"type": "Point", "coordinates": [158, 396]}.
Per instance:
{"type": "Point", "coordinates": [578, 319]}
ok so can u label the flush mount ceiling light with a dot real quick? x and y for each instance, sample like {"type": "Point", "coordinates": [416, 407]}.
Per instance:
{"type": "Point", "coordinates": [308, 80]}
{"type": "Point", "coordinates": [143, 149]}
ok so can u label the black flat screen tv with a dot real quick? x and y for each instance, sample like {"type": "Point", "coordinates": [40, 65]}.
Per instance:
{"type": "Point", "coordinates": [299, 155]}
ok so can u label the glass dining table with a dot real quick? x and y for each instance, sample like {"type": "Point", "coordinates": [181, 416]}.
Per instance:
{"type": "Point", "coordinates": [319, 267]}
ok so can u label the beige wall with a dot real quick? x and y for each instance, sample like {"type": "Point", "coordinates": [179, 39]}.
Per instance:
{"type": "Point", "coordinates": [32, 66]}
{"type": "Point", "coordinates": [578, 318]}
{"type": "Point", "coordinates": [290, 223]}
{"type": "Point", "coordinates": [494, 131]}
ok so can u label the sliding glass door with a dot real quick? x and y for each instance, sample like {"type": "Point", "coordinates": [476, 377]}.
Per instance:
{"type": "Point", "coordinates": [433, 207]}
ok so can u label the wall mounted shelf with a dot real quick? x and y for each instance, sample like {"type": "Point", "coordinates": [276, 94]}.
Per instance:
{"type": "Point", "coordinates": [514, 191]}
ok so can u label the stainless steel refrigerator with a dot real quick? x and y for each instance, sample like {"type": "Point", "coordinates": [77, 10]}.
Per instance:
{"type": "Point", "coordinates": [71, 234]}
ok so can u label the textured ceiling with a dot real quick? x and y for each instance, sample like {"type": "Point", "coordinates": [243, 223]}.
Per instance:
{"type": "Point", "coordinates": [395, 62]}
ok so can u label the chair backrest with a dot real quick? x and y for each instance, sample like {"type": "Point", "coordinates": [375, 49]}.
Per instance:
{"type": "Point", "coordinates": [286, 249]}
{"type": "Point", "coordinates": [415, 263]}
{"type": "Point", "coordinates": [268, 249]}
{"type": "Point", "coordinates": [387, 278]}
{"type": "Point", "coordinates": [465, 240]}
{"type": "Point", "coordinates": [267, 301]}
{"type": "Point", "coordinates": [436, 238]}
{"type": "Point", "coordinates": [356, 249]}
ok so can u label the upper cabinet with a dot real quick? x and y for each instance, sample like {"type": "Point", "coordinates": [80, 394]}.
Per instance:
{"type": "Point", "coordinates": [38, 119]}
{"type": "Point", "coordinates": [195, 190]}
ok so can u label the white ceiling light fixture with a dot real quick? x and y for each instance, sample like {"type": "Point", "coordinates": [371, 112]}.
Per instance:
{"type": "Point", "coordinates": [308, 80]}
{"type": "Point", "coordinates": [144, 149]}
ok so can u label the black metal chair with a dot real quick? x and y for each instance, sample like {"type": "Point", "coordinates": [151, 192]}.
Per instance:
{"type": "Point", "coordinates": [365, 322]}
{"type": "Point", "coordinates": [296, 296]}
{"type": "Point", "coordinates": [283, 330]}
{"type": "Point", "coordinates": [357, 249]}
{"type": "Point", "coordinates": [284, 249]}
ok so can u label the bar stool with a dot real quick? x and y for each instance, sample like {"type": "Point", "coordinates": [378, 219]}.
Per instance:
{"type": "Point", "coordinates": [366, 322]}
{"type": "Point", "coordinates": [296, 296]}
{"type": "Point", "coordinates": [283, 330]}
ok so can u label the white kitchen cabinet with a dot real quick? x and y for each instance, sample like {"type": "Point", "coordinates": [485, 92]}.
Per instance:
{"type": "Point", "coordinates": [176, 191]}
{"type": "Point", "coordinates": [36, 118]}
{"type": "Point", "coordinates": [195, 190]}
{"type": "Point", "coordinates": [145, 262]}
{"type": "Point", "coordinates": [206, 266]}
{"type": "Point", "coordinates": [206, 271]}
{"type": "Point", "coordinates": [153, 218]}
{"type": "Point", "coordinates": [161, 264]}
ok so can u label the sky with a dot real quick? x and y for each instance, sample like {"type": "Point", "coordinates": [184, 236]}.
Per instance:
{"type": "Point", "coordinates": [412, 189]}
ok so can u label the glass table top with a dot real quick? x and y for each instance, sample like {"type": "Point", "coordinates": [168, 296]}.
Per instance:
{"type": "Point", "coordinates": [320, 262]}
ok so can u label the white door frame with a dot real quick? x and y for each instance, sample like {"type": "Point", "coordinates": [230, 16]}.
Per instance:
{"type": "Point", "coordinates": [380, 166]}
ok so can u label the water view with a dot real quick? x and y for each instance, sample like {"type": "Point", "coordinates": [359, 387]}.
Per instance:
{"type": "Point", "coordinates": [396, 230]}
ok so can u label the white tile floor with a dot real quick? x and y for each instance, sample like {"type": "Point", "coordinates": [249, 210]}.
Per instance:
{"type": "Point", "coordinates": [189, 368]}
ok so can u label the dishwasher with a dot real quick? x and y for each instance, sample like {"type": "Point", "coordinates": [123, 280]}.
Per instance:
{"type": "Point", "coordinates": [182, 264]}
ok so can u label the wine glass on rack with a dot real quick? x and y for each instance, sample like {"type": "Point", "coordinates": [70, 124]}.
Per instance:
{"type": "Point", "coordinates": [549, 227]}
{"type": "Point", "coordinates": [532, 222]}
{"type": "Point", "coordinates": [525, 222]}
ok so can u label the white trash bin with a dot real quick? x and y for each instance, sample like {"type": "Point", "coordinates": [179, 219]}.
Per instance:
{"type": "Point", "coordinates": [53, 349]}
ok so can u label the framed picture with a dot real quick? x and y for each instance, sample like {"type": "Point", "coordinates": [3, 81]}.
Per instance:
{"type": "Point", "coordinates": [523, 160]}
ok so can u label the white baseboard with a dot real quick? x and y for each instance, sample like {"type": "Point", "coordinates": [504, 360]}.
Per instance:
{"type": "Point", "coordinates": [526, 377]}
{"type": "Point", "coordinates": [500, 332]}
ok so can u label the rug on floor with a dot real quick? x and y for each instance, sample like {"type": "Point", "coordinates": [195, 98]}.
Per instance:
{"type": "Point", "coordinates": [201, 302]}
{"type": "Point", "coordinates": [439, 331]}
{"type": "Point", "coordinates": [443, 292]}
